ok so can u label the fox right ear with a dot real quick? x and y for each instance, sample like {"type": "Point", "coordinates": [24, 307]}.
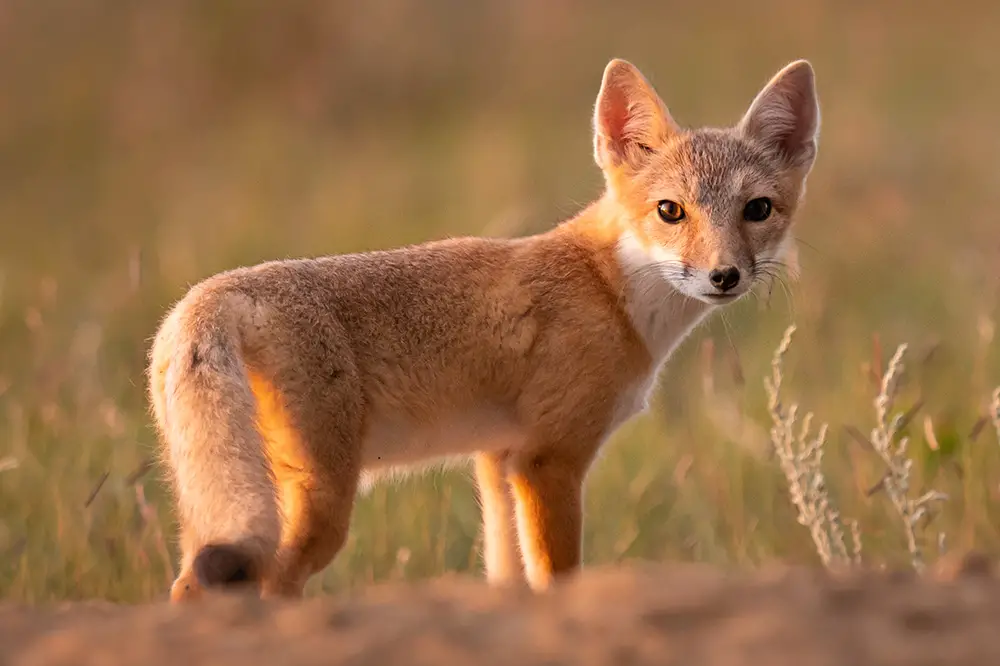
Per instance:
{"type": "Point", "coordinates": [630, 119]}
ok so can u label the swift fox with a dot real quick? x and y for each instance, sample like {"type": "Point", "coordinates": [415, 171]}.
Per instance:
{"type": "Point", "coordinates": [278, 389]}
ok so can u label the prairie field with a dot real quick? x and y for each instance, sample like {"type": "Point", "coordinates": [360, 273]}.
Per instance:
{"type": "Point", "coordinates": [144, 147]}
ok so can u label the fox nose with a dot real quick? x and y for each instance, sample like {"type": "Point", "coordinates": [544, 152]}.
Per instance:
{"type": "Point", "coordinates": [724, 278]}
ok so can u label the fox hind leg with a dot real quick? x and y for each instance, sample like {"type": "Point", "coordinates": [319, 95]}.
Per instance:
{"type": "Point", "coordinates": [314, 444]}
{"type": "Point", "coordinates": [317, 514]}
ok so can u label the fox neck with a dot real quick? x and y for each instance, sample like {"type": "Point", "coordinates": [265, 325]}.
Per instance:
{"type": "Point", "coordinates": [660, 314]}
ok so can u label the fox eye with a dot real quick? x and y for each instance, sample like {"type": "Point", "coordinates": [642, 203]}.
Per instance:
{"type": "Point", "coordinates": [670, 211]}
{"type": "Point", "coordinates": [757, 210]}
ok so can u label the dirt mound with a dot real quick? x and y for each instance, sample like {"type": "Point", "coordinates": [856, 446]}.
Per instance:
{"type": "Point", "coordinates": [639, 614]}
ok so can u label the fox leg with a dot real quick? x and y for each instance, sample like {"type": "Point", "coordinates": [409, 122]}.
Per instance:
{"type": "Point", "coordinates": [314, 445]}
{"type": "Point", "coordinates": [549, 504]}
{"type": "Point", "coordinates": [186, 586]}
{"type": "Point", "coordinates": [500, 548]}
{"type": "Point", "coordinates": [317, 511]}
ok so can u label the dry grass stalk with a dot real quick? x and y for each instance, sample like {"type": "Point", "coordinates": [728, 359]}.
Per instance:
{"type": "Point", "coordinates": [896, 482]}
{"type": "Point", "coordinates": [800, 455]}
{"type": "Point", "coordinates": [95, 490]}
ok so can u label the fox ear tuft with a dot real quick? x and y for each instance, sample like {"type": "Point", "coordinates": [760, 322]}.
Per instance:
{"type": "Point", "coordinates": [785, 115]}
{"type": "Point", "coordinates": [630, 119]}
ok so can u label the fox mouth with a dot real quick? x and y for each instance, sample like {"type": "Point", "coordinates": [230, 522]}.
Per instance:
{"type": "Point", "coordinates": [720, 298]}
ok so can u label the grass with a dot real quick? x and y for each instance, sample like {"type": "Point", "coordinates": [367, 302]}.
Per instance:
{"type": "Point", "coordinates": [801, 456]}
{"type": "Point", "coordinates": [144, 157]}
{"type": "Point", "coordinates": [801, 462]}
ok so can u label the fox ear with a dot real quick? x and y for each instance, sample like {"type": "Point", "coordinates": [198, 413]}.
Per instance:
{"type": "Point", "coordinates": [630, 119]}
{"type": "Point", "coordinates": [785, 115]}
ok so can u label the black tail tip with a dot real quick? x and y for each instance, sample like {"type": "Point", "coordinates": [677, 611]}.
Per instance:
{"type": "Point", "coordinates": [224, 565]}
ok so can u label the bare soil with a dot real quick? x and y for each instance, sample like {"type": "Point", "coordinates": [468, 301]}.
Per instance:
{"type": "Point", "coordinates": [635, 614]}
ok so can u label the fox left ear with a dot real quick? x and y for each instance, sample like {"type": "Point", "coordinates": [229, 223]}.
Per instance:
{"type": "Point", "coordinates": [785, 115]}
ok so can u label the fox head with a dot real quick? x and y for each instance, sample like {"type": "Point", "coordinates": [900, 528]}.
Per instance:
{"type": "Point", "coordinates": [708, 210]}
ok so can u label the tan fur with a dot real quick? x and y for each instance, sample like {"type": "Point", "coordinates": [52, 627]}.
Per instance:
{"type": "Point", "coordinates": [276, 387]}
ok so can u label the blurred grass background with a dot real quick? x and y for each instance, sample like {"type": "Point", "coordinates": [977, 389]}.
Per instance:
{"type": "Point", "coordinates": [145, 146]}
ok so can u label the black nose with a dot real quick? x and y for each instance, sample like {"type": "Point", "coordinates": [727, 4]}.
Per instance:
{"type": "Point", "coordinates": [725, 277]}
